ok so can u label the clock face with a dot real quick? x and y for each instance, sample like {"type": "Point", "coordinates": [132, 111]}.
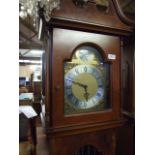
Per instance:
{"type": "Point", "coordinates": [84, 86]}
{"type": "Point", "coordinates": [86, 82]}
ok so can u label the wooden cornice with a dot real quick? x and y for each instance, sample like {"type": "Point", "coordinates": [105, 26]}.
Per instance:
{"type": "Point", "coordinates": [87, 27]}
{"type": "Point", "coordinates": [97, 22]}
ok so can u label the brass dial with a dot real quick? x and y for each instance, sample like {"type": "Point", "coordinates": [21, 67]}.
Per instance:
{"type": "Point", "coordinates": [84, 86]}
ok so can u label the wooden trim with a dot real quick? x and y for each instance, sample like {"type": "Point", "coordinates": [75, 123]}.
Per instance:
{"type": "Point", "coordinates": [85, 128]}
{"type": "Point", "coordinates": [71, 24]}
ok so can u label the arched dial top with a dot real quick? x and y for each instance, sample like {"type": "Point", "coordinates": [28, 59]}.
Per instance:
{"type": "Point", "coordinates": [85, 81]}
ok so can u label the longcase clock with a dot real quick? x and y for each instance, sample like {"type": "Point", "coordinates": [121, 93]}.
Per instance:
{"type": "Point", "coordinates": [81, 108]}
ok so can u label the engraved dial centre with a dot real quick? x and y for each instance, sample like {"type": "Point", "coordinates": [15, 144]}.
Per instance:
{"type": "Point", "coordinates": [91, 84]}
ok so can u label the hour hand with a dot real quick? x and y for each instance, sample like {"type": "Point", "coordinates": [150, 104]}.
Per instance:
{"type": "Point", "coordinates": [80, 84]}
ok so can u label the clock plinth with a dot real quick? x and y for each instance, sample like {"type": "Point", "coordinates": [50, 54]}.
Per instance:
{"type": "Point", "coordinates": [76, 140]}
{"type": "Point", "coordinates": [83, 83]}
{"type": "Point", "coordinates": [95, 143]}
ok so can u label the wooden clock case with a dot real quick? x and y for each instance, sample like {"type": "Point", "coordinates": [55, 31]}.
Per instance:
{"type": "Point", "coordinates": [70, 28]}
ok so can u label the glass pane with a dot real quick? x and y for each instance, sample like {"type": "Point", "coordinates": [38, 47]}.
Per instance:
{"type": "Point", "coordinates": [86, 82]}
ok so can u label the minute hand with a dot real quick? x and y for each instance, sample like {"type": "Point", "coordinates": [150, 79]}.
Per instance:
{"type": "Point", "coordinates": [80, 84]}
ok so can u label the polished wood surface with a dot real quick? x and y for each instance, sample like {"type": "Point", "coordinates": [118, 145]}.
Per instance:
{"type": "Point", "coordinates": [103, 141]}
{"type": "Point", "coordinates": [126, 134]}
{"type": "Point", "coordinates": [127, 70]}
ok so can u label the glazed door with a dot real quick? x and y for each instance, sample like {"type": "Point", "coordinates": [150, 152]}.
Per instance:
{"type": "Point", "coordinates": [104, 50]}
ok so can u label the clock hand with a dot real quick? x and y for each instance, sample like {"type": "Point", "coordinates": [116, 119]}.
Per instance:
{"type": "Point", "coordinates": [86, 94]}
{"type": "Point", "coordinates": [80, 84]}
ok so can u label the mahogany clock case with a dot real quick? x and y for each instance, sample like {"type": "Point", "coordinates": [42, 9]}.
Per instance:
{"type": "Point", "coordinates": [68, 30]}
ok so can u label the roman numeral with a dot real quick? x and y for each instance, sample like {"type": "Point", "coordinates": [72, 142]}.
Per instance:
{"type": "Point", "coordinates": [76, 70]}
{"type": "Point", "coordinates": [100, 85]}
{"type": "Point", "coordinates": [74, 101]}
{"type": "Point", "coordinates": [68, 90]}
{"type": "Point", "coordinates": [99, 94]}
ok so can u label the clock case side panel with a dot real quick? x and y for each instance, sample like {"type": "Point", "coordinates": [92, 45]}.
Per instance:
{"type": "Point", "coordinates": [64, 43]}
{"type": "Point", "coordinates": [126, 134]}
{"type": "Point", "coordinates": [127, 74]}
